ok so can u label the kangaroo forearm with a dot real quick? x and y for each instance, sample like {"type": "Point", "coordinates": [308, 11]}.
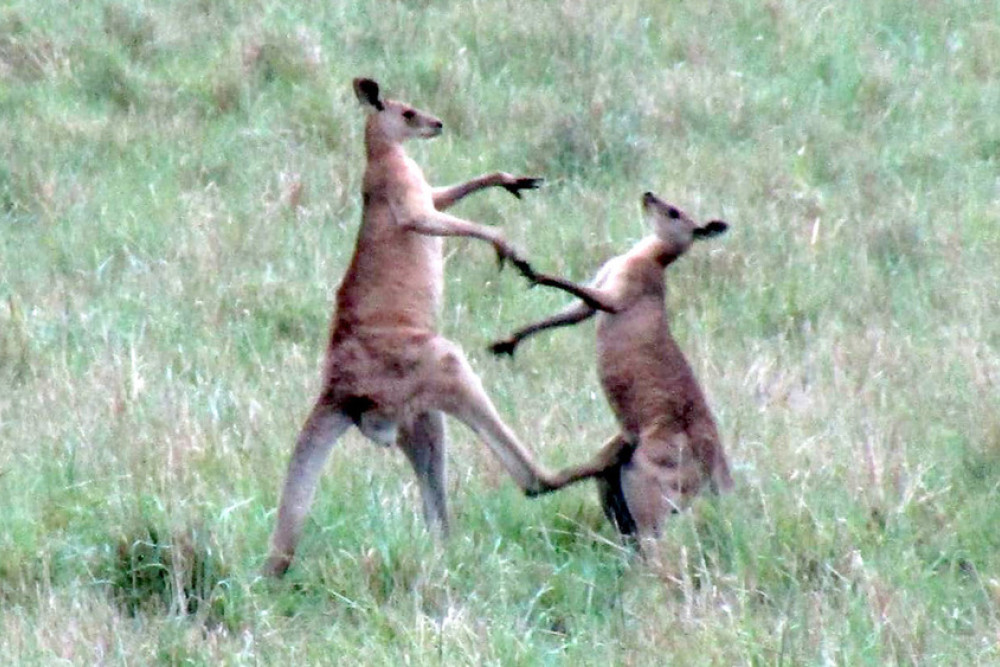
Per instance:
{"type": "Point", "coordinates": [443, 224]}
{"type": "Point", "coordinates": [563, 319]}
{"type": "Point", "coordinates": [445, 197]}
{"type": "Point", "coordinates": [594, 298]}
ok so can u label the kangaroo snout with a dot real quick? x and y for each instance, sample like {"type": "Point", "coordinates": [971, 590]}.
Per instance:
{"type": "Point", "coordinates": [652, 202]}
{"type": "Point", "coordinates": [434, 128]}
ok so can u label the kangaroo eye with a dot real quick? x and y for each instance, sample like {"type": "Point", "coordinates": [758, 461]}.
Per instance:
{"type": "Point", "coordinates": [409, 114]}
{"type": "Point", "coordinates": [673, 213]}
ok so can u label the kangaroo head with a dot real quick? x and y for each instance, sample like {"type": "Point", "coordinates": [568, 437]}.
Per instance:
{"type": "Point", "coordinates": [674, 227]}
{"type": "Point", "coordinates": [394, 121]}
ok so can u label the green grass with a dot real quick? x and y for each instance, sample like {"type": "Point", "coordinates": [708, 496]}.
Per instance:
{"type": "Point", "coordinates": [178, 199]}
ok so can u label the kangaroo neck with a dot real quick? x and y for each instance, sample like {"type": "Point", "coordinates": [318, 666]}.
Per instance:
{"type": "Point", "coordinates": [658, 252]}
{"type": "Point", "coordinates": [378, 147]}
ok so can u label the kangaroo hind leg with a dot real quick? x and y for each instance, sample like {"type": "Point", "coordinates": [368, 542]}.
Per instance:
{"type": "Point", "coordinates": [609, 488]}
{"type": "Point", "coordinates": [455, 389]}
{"type": "Point", "coordinates": [610, 457]}
{"type": "Point", "coordinates": [423, 441]}
{"type": "Point", "coordinates": [322, 428]}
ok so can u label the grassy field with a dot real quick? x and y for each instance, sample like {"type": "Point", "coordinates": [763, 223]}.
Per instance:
{"type": "Point", "coordinates": [179, 193]}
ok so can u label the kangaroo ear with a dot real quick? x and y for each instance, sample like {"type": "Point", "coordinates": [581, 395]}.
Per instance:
{"type": "Point", "coordinates": [714, 228]}
{"type": "Point", "coordinates": [366, 91]}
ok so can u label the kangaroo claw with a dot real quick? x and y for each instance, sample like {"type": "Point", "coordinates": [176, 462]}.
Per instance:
{"type": "Point", "coordinates": [501, 347]}
{"type": "Point", "coordinates": [522, 184]}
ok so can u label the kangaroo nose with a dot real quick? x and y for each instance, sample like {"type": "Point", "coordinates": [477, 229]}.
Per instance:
{"type": "Point", "coordinates": [438, 125]}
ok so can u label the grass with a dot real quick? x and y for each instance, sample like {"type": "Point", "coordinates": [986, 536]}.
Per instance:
{"type": "Point", "coordinates": [178, 199]}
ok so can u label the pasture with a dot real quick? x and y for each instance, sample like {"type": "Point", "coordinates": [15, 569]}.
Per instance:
{"type": "Point", "coordinates": [179, 194]}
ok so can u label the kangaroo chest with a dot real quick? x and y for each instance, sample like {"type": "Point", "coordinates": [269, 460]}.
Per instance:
{"type": "Point", "coordinates": [642, 370]}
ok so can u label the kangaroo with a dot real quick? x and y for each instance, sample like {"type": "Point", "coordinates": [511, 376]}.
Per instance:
{"type": "Point", "coordinates": [387, 371]}
{"type": "Point", "coordinates": [669, 445]}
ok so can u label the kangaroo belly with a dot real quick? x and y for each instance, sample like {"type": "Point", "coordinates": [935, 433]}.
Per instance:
{"type": "Point", "coordinates": [396, 278]}
{"type": "Point", "coordinates": [381, 368]}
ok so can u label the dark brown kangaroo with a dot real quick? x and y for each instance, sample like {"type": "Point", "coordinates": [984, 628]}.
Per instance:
{"type": "Point", "coordinates": [668, 446]}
